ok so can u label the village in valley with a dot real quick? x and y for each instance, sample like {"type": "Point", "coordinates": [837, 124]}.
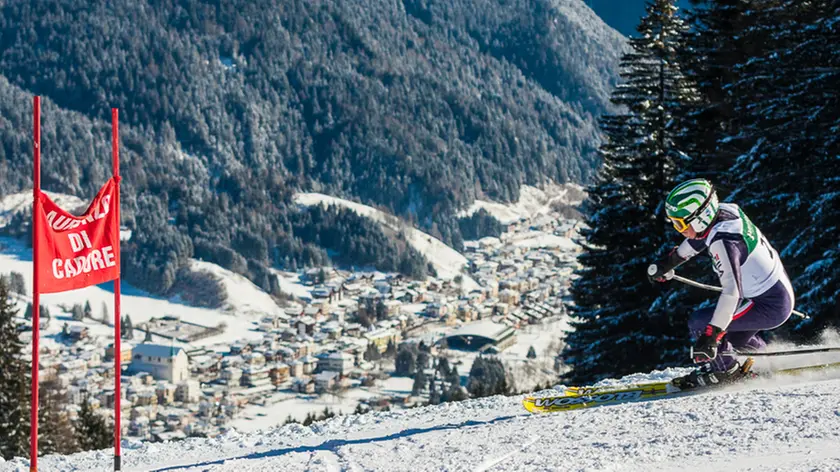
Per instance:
{"type": "Point", "coordinates": [334, 347]}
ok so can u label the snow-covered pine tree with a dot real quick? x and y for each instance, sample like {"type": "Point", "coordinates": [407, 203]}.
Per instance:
{"type": "Point", "coordinates": [55, 432]}
{"type": "Point", "coordinates": [488, 376]}
{"type": "Point", "coordinates": [92, 430]}
{"type": "Point", "coordinates": [14, 384]}
{"type": "Point", "coordinates": [129, 328]}
{"type": "Point", "coordinates": [618, 327]}
{"type": "Point", "coordinates": [714, 45]}
{"type": "Point", "coordinates": [77, 312]}
{"type": "Point", "coordinates": [791, 174]}
{"type": "Point", "coordinates": [406, 362]}
{"type": "Point", "coordinates": [818, 284]}
{"type": "Point", "coordinates": [419, 382]}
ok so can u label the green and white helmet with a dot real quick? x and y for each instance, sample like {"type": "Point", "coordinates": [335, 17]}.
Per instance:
{"type": "Point", "coordinates": [693, 202]}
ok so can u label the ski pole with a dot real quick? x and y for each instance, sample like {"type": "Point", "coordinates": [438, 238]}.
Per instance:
{"type": "Point", "coordinates": [718, 289]}
{"type": "Point", "coordinates": [785, 353]}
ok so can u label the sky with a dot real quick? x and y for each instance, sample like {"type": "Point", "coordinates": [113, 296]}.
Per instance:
{"type": "Point", "coordinates": [623, 15]}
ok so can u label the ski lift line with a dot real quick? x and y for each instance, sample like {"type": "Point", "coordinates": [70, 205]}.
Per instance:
{"type": "Point", "coordinates": [718, 289]}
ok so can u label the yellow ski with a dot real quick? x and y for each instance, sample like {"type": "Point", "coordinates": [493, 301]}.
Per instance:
{"type": "Point", "coordinates": [576, 398]}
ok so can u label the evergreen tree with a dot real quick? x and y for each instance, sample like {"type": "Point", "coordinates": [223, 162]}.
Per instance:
{"type": "Point", "coordinates": [88, 311]}
{"type": "Point", "coordinates": [455, 393]}
{"type": "Point", "coordinates": [454, 378]}
{"type": "Point", "coordinates": [93, 431]}
{"type": "Point", "coordinates": [443, 366]}
{"type": "Point", "coordinates": [17, 283]}
{"type": "Point", "coordinates": [790, 174]}
{"type": "Point", "coordinates": [372, 353]}
{"type": "Point", "coordinates": [126, 328]}
{"type": "Point", "coordinates": [406, 363]}
{"type": "Point", "coordinates": [43, 313]}
{"type": "Point", "coordinates": [714, 46]}
{"type": "Point", "coordinates": [434, 393]}
{"type": "Point", "coordinates": [391, 349]}
{"type": "Point", "coordinates": [77, 312]}
{"type": "Point", "coordinates": [365, 320]}
{"type": "Point", "coordinates": [620, 325]}
{"type": "Point", "coordinates": [423, 360]}
{"type": "Point", "coordinates": [14, 384]}
{"type": "Point", "coordinates": [419, 382]}
{"type": "Point", "coordinates": [310, 418]}
{"type": "Point", "coordinates": [104, 312]}
{"type": "Point", "coordinates": [488, 377]}
{"type": "Point", "coordinates": [532, 353]}
{"type": "Point", "coordinates": [56, 434]}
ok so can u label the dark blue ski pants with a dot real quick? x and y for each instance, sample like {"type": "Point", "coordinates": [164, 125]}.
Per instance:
{"type": "Point", "coordinates": [766, 311]}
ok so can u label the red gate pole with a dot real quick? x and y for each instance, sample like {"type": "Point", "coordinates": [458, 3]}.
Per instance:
{"type": "Point", "coordinates": [36, 293]}
{"type": "Point", "coordinates": [115, 153]}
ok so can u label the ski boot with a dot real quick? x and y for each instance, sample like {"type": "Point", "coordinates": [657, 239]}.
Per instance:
{"type": "Point", "coordinates": [705, 377]}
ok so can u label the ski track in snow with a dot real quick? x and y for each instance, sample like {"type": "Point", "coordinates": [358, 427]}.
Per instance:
{"type": "Point", "coordinates": [762, 426]}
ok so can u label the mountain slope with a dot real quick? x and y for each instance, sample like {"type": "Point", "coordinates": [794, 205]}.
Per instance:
{"type": "Point", "coordinates": [761, 426]}
{"type": "Point", "coordinates": [418, 106]}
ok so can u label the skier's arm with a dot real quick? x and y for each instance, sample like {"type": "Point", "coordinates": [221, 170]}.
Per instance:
{"type": "Point", "coordinates": [663, 269]}
{"type": "Point", "coordinates": [728, 254]}
{"type": "Point", "coordinates": [690, 248]}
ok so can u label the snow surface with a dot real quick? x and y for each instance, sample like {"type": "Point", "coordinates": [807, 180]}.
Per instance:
{"type": "Point", "coordinates": [22, 201]}
{"type": "Point", "coordinates": [782, 424]}
{"type": "Point", "coordinates": [282, 405]}
{"type": "Point", "coordinates": [447, 262]}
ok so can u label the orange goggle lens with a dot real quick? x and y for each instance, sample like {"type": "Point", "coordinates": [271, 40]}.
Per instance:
{"type": "Point", "coordinates": [679, 223]}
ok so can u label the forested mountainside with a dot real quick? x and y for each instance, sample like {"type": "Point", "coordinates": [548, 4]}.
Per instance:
{"type": "Point", "coordinates": [418, 106]}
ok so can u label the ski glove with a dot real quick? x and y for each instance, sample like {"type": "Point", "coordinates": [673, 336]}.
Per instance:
{"type": "Point", "coordinates": [706, 347]}
{"type": "Point", "coordinates": [663, 270]}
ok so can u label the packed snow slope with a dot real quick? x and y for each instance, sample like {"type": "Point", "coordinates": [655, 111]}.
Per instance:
{"type": "Point", "coordinates": [791, 424]}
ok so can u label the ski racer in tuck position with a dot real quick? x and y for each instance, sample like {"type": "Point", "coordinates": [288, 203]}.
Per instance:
{"type": "Point", "coordinates": [757, 293]}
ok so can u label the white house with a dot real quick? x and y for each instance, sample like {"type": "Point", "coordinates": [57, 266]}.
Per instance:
{"type": "Point", "coordinates": [340, 362]}
{"type": "Point", "coordinates": [163, 362]}
{"type": "Point", "coordinates": [325, 381]}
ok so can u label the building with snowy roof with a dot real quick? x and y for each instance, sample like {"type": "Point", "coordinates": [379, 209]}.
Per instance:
{"type": "Point", "coordinates": [481, 335]}
{"type": "Point", "coordinates": [163, 362]}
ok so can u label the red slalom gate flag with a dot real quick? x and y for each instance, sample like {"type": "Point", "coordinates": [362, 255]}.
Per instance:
{"type": "Point", "coordinates": [78, 251]}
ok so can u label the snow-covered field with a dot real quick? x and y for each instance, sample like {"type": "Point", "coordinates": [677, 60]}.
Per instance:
{"type": "Point", "coordinates": [282, 405]}
{"type": "Point", "coordinates": [790, 425]}
{"type": "Point", "coordinates": [532, 202]}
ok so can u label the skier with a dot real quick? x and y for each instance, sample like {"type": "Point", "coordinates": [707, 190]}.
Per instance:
{"type": "Point", "coordinates": [757, 293]}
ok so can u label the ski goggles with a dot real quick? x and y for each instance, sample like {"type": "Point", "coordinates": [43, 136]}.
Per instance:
{"type": "Point", "coordinates": [681, 224]}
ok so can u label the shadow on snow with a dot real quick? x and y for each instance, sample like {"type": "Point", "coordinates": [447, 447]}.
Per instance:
{"type": "Point", "coordinates": [333, 444]}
